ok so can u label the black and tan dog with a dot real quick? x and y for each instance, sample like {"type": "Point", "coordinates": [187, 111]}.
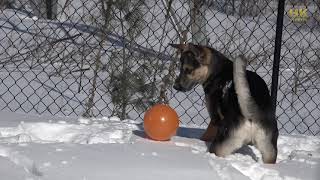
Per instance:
{"type": "Point", "coordinates": [238, 101]}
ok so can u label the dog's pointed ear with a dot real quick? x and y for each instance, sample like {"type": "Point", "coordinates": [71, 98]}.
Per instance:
{"type": "Point", "coordinates": [203, 54]}
{"type": "Point", "coordinates": [194, 49]}
{"type": "Point", "coordinates": [180, 47]}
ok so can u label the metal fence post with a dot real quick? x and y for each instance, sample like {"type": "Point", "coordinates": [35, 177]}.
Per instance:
{"type": "Point", "coordinates": [277, 53]}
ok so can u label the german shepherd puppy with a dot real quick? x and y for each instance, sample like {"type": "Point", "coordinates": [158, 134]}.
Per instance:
{"type": "Point", "coordinates": [237, 100]}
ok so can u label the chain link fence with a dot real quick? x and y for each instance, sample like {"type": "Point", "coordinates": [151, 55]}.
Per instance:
{"type": "Point", "coordinates": [111, 58]}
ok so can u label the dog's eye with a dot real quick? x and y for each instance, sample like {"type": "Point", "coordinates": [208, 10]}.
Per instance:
{"type": "Point", "coordinates": [187, 70]}
{"type": "Point", "coordinates": [190, 54]}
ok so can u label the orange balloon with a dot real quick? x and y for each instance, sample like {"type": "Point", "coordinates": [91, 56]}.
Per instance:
{"type": "Point", "coordinates": [161, 122]}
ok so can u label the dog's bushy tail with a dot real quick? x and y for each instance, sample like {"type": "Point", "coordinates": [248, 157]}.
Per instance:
{"type": "Point", "coordinates": [246, 102]}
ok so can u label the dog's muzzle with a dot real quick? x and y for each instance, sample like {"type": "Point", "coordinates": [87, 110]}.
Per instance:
{"type": "Point", "coordinates": [183, 84]}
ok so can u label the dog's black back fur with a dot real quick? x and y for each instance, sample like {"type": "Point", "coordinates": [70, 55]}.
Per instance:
{"type": "Point", "coordinates": [222, 74]}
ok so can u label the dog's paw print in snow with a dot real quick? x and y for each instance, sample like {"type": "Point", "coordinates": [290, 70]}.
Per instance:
{"type": "Point", "coordinates": [289, 145]}
{"type": "Point", "coordinates": [308, 157]}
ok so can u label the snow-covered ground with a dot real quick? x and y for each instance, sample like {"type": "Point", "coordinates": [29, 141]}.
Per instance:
{"type": "Point", "coordinates": [44, 147]}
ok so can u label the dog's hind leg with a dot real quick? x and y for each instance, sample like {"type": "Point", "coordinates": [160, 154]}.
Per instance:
{"type": "Point", "coordinates": [230, 143]}
{"type": "Point", "coordinates": [226, 147]}
{"type": "Point", "coordinates": [267, 145]}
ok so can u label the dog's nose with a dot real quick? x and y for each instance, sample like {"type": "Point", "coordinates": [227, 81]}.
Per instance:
{"type": "Point", "coordinates": [178, 87]}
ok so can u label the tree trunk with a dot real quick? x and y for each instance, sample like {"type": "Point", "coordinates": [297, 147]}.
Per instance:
{"type": "Point", "coordinates": [90, 103]}
{"type": "Point", "coordinates": [51, 8]}
{"type": "Point", "coordinates": [198, 22]}
{"type": "Point", "coordinates": [46, 9]}
{"type": "Point", "coordinates": [317, 13]}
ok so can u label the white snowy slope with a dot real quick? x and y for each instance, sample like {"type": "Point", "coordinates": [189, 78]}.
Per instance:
{"type": "Point", "coordinates": [36, 147]}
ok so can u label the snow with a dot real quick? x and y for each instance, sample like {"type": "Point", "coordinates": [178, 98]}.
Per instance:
{"type": "Point", "coordinates": [43, 147]}
{"type": "Point", "coordinates": [88, 131]}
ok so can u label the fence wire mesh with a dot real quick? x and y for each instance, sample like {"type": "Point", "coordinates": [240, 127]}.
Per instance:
{"type": "Point", "coordinates": [111, 58]}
